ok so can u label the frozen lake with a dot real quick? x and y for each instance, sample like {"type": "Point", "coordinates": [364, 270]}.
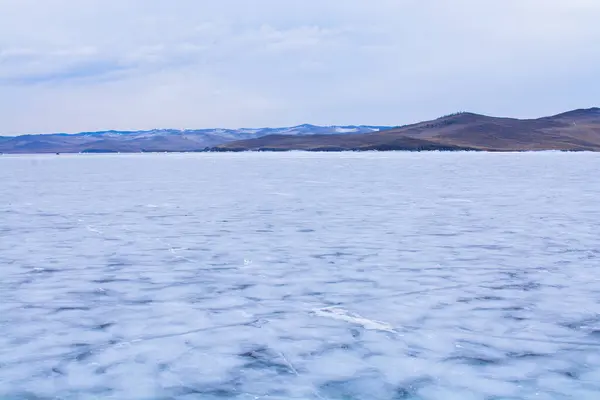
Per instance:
{"type": "Point", "coordinates": [300, 276]}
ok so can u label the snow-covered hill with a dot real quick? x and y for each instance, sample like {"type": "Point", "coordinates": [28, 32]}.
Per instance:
{"type": "Point", "coordinates": [159, 139]}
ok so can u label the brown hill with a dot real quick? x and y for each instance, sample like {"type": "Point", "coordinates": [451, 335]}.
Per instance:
{"type": "Point", "coordinates": [576, 130]}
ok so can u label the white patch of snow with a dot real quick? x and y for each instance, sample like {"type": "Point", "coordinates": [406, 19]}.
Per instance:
{"type": "Point", "coordinates": [346, 130]}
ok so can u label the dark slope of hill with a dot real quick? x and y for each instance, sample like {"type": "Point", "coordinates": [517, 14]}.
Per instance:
{"type": "Point", "coordinates": [363, 142]}
{"type": "Point", "coordinates": [574, 130]}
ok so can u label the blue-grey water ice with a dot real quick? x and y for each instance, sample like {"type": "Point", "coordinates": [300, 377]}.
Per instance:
{"type": "Point", "coordinates": [300, 276]}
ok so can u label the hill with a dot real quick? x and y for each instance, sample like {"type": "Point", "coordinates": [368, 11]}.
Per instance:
{"type": "Point", "coordinates": [576, 130]}
{"type": "Point", "coordinates": [158, 140]}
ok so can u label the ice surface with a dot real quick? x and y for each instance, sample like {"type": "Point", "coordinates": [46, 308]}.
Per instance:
{"type": "Point", "coordinates": [300, 276]}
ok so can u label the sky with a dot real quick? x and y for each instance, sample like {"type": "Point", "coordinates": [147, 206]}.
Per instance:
{"type": "Point", "coordinates": [86, 65]}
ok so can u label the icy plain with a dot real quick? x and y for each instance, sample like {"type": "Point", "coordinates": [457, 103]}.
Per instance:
{"type": "Point", "coordinates": [300, 276]}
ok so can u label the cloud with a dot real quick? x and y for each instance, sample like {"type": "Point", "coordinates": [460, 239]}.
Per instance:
{"type": "Point", "coordinates": [110, 64]}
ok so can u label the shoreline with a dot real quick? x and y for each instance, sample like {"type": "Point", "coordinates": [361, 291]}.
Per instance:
{"type": "Point", "coordinates": [279, 151]}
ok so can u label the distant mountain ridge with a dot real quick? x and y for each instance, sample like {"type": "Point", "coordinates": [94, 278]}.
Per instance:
{"type": "Point", "coordinates": [577, 130]}
{"type": "Point", "coordinates": [158, 140]}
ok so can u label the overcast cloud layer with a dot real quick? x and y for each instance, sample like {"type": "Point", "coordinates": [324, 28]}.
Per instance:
{"type": "Point", "coordinates": [79, 65]}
